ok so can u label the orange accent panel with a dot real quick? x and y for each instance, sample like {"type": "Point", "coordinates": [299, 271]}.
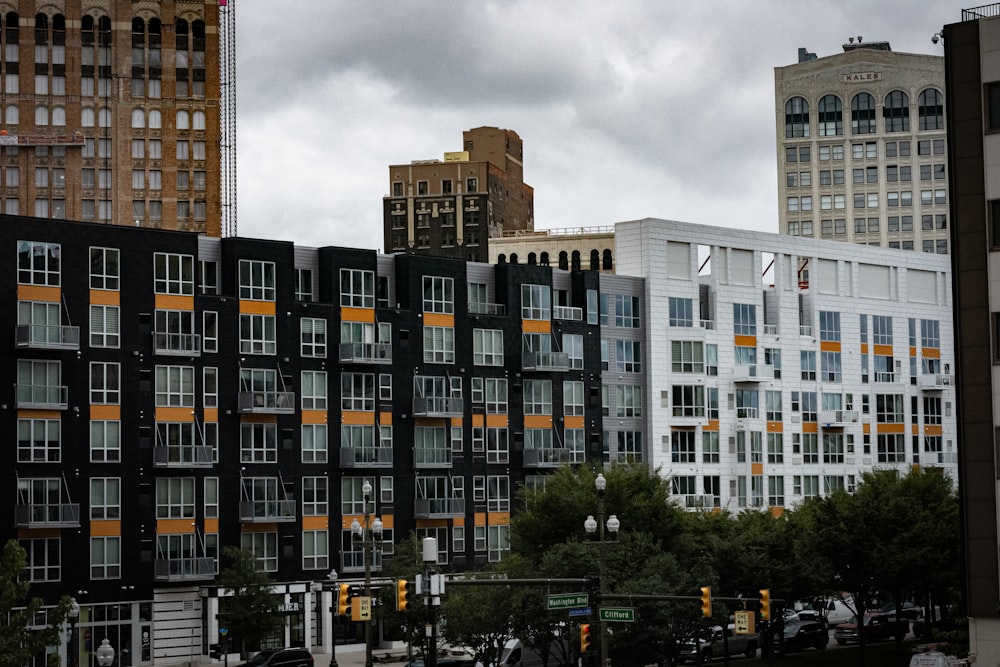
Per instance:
{"type": "Point", "coordinates": [497, 421]}
{"type": "Point", "coordinates": [866, 429]}
{"type": "Point", "coordinates": [388, 520]}
{"type": "Point", "coordinates": [913, 351]}
{"type": "Point", "coordinates": [103, 297]}
{"type": "Point", "coordinates": [258, 419]}
{"type": "Point", "coordinates": [38, 293]}
{"type": "Point", "coordinates": [432, 523]}
{"type": "Point", "coordinates": [756, 468]}
{"type": "Point", "coordinates": [478, 420]}
{"type": "Point", "coordinates": [829, 346]}
{"type": "Point", "coordinates": [883, 350]}
{"type": "Point", "coordinates": [537, 421]}
{"type": "Point", "coordinates": [211, 414]}
{"type": "Point", "coordinates": [536, 326]}
{"type": "Point", "coordinates": [258, 307]}
{"type": "Point", "coordinates": [713, 425]}
{"type": "Point", "coordinates": [314, 416]}
{"type": "Point", "coordinates": [933, 429]}
{"type": "Point", "coordinates": [575, 421]}
{"type": "Point", "coordinates": [174, 302]}
{"type": "Point", "coordinates": [357, 315]}
{"type": "Point", "coordinates": [810, 427]}
{"type": "Point", "coordinates": [456, 421]}
{"type": "Point", "coordinates": [891, 428]}
{"type": "Point", "coordinates": [480, 518]}
{"type": "Point", "coordinates": [499, 518]}
{"type": "Point", "coordinates": [385, 418]}
{"type": "Point", "coordinates": [357, 418]}
{"type": "Point", "coordinates": [174, 526]}
{"type": "Point", "coordinates": [777, 512]}
{"type": "Point", "coordinates": [775, 427]}
{"type": "Point", "coordinates": [211, 525]}
{"type": "Point", "coordinates": [39, 414]}
{"type": "Point", "coordinates": [745, 341]}
{"type": "Point", "coordinates": [37, 533]}
{"type": "Point", "coordinates": [258, 528]}
{"type": "Point", "coordinates": [930, 353]}
{"type": "Point", "coordinates": [914, 430]}
{"type": "Point", "coordinates": [106, 412]}
{"type": "Point", "coordinates": [315, 522]}
{"type": "Point", "coordinates": [864, 348]}
{"type": "Point", "coordinates": [458, 521]}
{"type": "Point", "coordinates": [174, 415]}
{"type": "Point", "coordinates": [439, 320]}
{"type": "Point", "coordinates": [105, 528]}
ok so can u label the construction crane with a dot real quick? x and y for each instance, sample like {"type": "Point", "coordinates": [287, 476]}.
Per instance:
{"type": "Point", "coordinates": [227, 114]}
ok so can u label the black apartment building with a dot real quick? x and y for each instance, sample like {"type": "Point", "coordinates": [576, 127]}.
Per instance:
{"type": "Point", "coordinates": [173, 394]}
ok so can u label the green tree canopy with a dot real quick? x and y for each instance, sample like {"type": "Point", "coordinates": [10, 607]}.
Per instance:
{"type": "Point", "coordinates": [251, 611]}
{"type": "Point", "coordinates": [19, 645]}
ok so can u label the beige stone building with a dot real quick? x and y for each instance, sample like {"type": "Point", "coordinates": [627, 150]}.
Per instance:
{"type": "Point", "coordinates": [570, 248]}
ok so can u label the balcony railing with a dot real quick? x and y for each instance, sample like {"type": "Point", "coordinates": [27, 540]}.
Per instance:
{"type": "Point", "coordinates": [42, 397]}
{"type": "Point", "coordinates": [885, 376]}
{"type": "Point", "coordinates": [187, 456]}
{"type": "Point", "coordinates": [487, 309]}
{"type": "Point", "coordinates": [770, 329]}
{"type": "Point", "coordinates": [437, 406]}
{"type": "Point", "coordinates": [365, 353]}
{"type": "Point", "coordinates": [567, 313]}
{"type": "Point", "coordinates": [752, 373]}
{"type": "Point", "coordinates": [179, 344]}
{"type": "Point", "coordinates": [267, 402]}
{"type": "Point", "coordinates": [697, 502]}
{"type": "Point", "coordinates": [550, 457]}
{"type": "Point", "coordinates": [838, 418]}
{"type": "Point", "coordinates": [183, 569]}
{"type": "Point", "coordinates": [707, 325]}
{"type": "Point", "coordinates": [936, 381]}
{"type": "Point", "coordinates": [47, 337]}
{"type": "Point", "coordinates": [438, 508]}
{"type": "Point", "coordinates": [267, 511]}
{"type": "Point", "coordinates": [55, 515]}
{"type": "Point", "coordinates": [805, 330]}
{"type": "Point", "coordinates": [365, 457]}
{"type": "Point", "coordinates": [747, 413]}
{"type": "Point", "coordinates": [431, 457]}
{"type": "Point", "coordinates": [545, 361]}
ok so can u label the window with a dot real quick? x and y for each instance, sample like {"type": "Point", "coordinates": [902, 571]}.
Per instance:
{"type": "Point", "coordinates": [891, 448]}
{"type": "Point", "coordinates": [105, 383]}
{"type": "Point", "coordinates": [175, 498]}
{"type": "Point", "coordinates": [315, 500]}
{"type": "Point", "coordinates": [38, 263]}
{"type": "Point", "coordinates": [313, 337]}
{"type": "Point", "coordinates": [43, 559]}
{"type": "Point", "coordinates": [104, 268]}
{"type": "Point", "coordinates": [315, 550]}
{"type": "Point", "coordinates": [439, 345]}
{"type": "Point", "coordinates": [174, 386]}
{"type": "Point", "coordinates": [882, 329]}
{"type": "Point", "coordinates": [265, 548]}
{"type": "Point", "coordinates": [173, 274]}
{"type": "Point", "coordinates": [357, 288]}
{"type": "Point", "coordinates": [357, 392]}
{"type": "Point", "coordinates": [830, 366]}
{"type": "Point", "coordinates": [680, 309]}
{"type": "Point", "coordinates": [105, 558]}
{"type": "Point", "coordinates": [536, 302]}
{"type": "Point", "coordinates": [626, 311]}
{"type": "Point", "coordinates": [256, 280]}
{"type": "Point", "coordinates": [573, 402]}
{"type": "Point", "coordinates": [314, 391]}
{"type": "Point", "coordinates": [314, 443]}
{"type": "Point", "coordinates": [687, 356]}
{"type": "Point", "coordinates": [688, 400]}
{"type": "Point", "coordinates": [829, 326]}
{"type": "Point", "coordinates": [930, 333]}
{"type": "Point", "coordinates": [257, 334]}
{"type": "Point", "coordinates": [808, 361]}
{"type": "Point", "coordinates": [863, 114]}
{"type": "Point", "coordinates": [830, 114]}
{"type": "Point", "coordinates": [258, 443]}
{"type": "Point", "coordinates": [105, 441]}
{"type": "Point", "coordinates": [889, 408]}
{"type": "Point", "coordinates": [773, 405]}
{"type": "Point", "coordinates": [628, 356]}
{"type": "Point", "coordinates": [38, 440]}
{"type": "Point", "coordinates": [796, 118]}
{"type": "Point", "coordinates": [439, 295]}
{"type": "Point", "coordinates": [210, 331]}
{"type": "Point", "coordinates": [930, 110]}
{"type": "Point", "coordinates": [487, 347]}
{"type": "Point", "coordinates": [896, 112]}
{"type": "Point", "coordinates": [573, 348]}
{"type": "Point", "coordinates": [710, 446]}
{"type": "Point", "coordinates": [537, 397]}
{"type": "Point", "coordinates": [105, 498]}
{"type": "Point", "coordinates": [744, 319]}
{"type": "Point", "coordinates": [629, 400]}
{"type": "Point", "coordinates": [682, 446]}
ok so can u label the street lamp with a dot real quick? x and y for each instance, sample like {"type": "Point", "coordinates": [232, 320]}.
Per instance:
{"type": "Point", "coordinates": [73, 614]}
{"type": "Point", "coordinates": [592, 525]}
{"type": "Point", "coordinates": [369, 536]}
{"type": "Point", "coordinates": [105, 653]}
{"type": "Point", "coordinates": [332, 576]}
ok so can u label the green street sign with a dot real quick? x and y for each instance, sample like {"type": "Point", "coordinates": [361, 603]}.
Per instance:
{"type": "Point", "coordinates": [568, 601]}
{"type": "Point", "coordinates": [621, 614]}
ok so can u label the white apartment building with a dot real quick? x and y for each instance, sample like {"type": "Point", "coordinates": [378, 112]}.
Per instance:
{"type": "Point", "coordinates": [781, 368]}
{"type": "Point", "coordinates": [861, 147]}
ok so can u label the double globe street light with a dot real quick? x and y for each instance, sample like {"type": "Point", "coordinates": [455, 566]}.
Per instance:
{"type": "Point", "coordinates": [592, 526]}
{"type": "Point", "coordinates": [369, 536]}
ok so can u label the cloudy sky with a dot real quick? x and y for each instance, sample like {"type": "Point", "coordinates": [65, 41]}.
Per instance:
{"type": "Point", "coordinates": [626, 109]}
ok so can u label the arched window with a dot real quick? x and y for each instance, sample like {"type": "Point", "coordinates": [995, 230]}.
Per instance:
{"type": "Point", "coordinates": [182, 120]}
{"type": "Point", "coordinates": [155, 119]}
{"type": "Point", "coordinates": [104, 117]}
{"type": "Point", "coordinates": [544, 260]}
{"type": "Point", "coordinates": [863, 114]}
{"type": "Point", "coordinates": [138, 119]}
{"type": "Point", "coordinates": [12, 115]}
{"type": "Point", "coordinates": [87, 117]}
{"type": "Point", "coordinates": [198, 120]}
{"type": "Point", "coordinates": [532, 260]}
{"type": "Point", "coordinates": [831, 116]}
{"type": "Point", "coordinates": [575, 262]}
{"type": "Point", "coordinates": [513, 258]}
{"type": "Point", "coordinates": [607, 260]}
{"type": "Point", "coordinates": [930, 110]}
{"type": "Point", "coordinates": [796, 118]}
{"type": "Point", "coordinates": [501, 258]}
{"type": "Point", "coordinates": [563, 260]}
{"type": "Point", "coordinates": [41, 115]}
{"type": "Point", "coordinates": [595, 260]}
{"type": "Point", "coordinates": [59, 116]}
{"type": "Point", "coordinates": [897, 112]}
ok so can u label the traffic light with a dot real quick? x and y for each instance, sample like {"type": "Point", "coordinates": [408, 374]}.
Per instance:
{"type": "Point", "coordinates": [404, 594]}
{"type": "Point", "coordinates": [344, 600]}
{"type": "Point", "coordinates": [765, 604]}
{"type": "Point", "coordinates": [584, 637]}
{"type": "Point", "coordinates": [215, 651]}
{"type": "Point", "coordinates": [706, 601]}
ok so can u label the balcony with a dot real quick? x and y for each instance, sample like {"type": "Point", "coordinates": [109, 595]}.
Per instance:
{"type": "Point", "coordinates": [707, 325]}
{"type": "Point", "coordinates": [805, 330]}
{"type": "Point", "coordinates": [700, 502]}
{"type": "Point", "coordinates": [770, 329]}
{"type": "Point", "coordinates": [431, 457]}
{"type": "Point", "coordinates": [688, 415]}
{"type": "Point", "coordinates": [42, 397]}
{"type": "Point", "coordinates": [438, 508]}
{"type": "Point", "coordinates": [47, 337]}
{"type": "Point", "coordinates": [487, 309]}
{"type": "Point", "coordinates": [437, 406]}
{"type": "Point", "coordinates": [365, 353]}
{"type": "Point", "coordinates": [183, 569]}
{"type": "Point", "coordinates": [752, 373]}
{"type": "Point", "coordinates": [937, 381]}
{"type": "Point", "coordinates": [267, 402]}
{"type": "Point", "coordinates": [55, 515]}
{"type": "Point", "coordinates": [838, 418]}
{"type": "Point", "coordinates": [567, 313]}
{"type": "Point", "coordinates": [365, 457]}
{"type": "Point", "coordinates": [887, 377]}
{"type": "Point", "coordinates": [188, 456]}
{"type": "Point", "coordinates": [551, 457]}
{"type": "Point", "coordinates": [545, 361]}
{"type": "Point", "coordinates": [267, 511]}
{"type": "Point", "coordinates": [177, 344]}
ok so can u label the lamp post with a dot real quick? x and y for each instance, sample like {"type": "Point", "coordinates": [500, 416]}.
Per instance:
{"type": "Point", "coordinates": [332, 576]}
{"type": "Point", "coordinates": [105, 653]}
{"type": "Point", "coordinates": [591, 526]}
{"type": "Point", "coordinates": [73, 614]}
{"type": "Point", "coordinates": [369, 536]}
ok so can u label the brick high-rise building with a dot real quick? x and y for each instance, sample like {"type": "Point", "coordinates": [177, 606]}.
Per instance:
{"type": "Point", "coordinates": [110, 112]}
{"type": "Point", "coordinates": [453, 207]}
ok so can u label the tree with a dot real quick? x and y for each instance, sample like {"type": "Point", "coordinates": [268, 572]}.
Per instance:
{"type": "Point", "coordinates": [481, 617]}
{"type": "Point", "coordinates": [251, 611]}
{"type": "Point", "coordinates": [19, 645]}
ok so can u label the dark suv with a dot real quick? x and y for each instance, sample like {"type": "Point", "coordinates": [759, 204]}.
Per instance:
{"type": "Point", "coordinates": [281, 657]}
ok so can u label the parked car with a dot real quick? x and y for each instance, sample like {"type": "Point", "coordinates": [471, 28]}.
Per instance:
{"type": "Point", "coordinates": [281, 657]}
{"type": "Point", "coordinates": [710, 643]}
{"type": "Point", "coordinates": [798, 635]}
{"type": "Point", "coordinates": [877, 627]}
